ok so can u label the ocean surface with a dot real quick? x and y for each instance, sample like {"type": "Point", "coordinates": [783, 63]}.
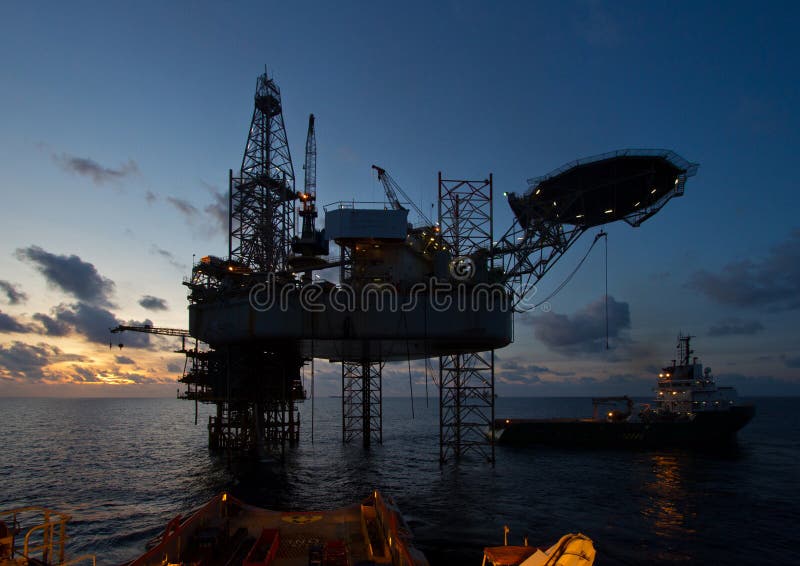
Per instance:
{"type": "Point", "coordinates": [124, 467]}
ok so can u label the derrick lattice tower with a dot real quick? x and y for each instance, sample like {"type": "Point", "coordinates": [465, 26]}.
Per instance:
{"type": "Point", "coordinates": [262, 195]}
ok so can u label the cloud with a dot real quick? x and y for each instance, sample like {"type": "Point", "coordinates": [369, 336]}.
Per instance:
{"type": "Point", "coordinates": [83, 374]}
{"type": "Point", "coordinates": [748, 385]}
{"type": "Point", "coordinates": [9, 324]}
{"type": "Point", "coordinates": [92, 322]}
{"type": "Point", "coordinates": [792, 362]}
{"type": "Point", "coordinates": [70, 274]}
{"type": "Point", "coordinates": [21, 360]}
{"type": "Point", "coordinates": [771, 282]}
{"type": "Point", "coordinates": [215, 217]}
{"type": "Point", "coordinates": [13, 293]}
{"type": "Point", "coordinates": [125, 360]}
{"type": "Point", "coordinates": [175, 367]}
{"type": "Point", "coordinates": [150, 197]}
{"type": "Point", "coordinates": [585, 331]}
{"type": "Point", "coordinates": [733, 326]}
{"type": "Point", "coordinates": [99, 174]}
{"type": "Point", "coordinates": [218, 211]}
{"type": "Point", "coordinates": [153, 303]}
{"type": "Point", "coordinates": [169, 256]}
{"type": "Point", "coordinates": [184, 207]}
{"type": "Point", "coordinates": [52, 326]}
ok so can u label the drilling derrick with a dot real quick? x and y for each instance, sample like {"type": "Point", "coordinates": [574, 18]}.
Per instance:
{"type": "Point", "coordinates": [262, 196]}
{"type": "Point", "coordinates": [254, 383]}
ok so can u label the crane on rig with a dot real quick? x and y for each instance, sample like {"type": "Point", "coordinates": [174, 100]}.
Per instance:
{"type": "Point", "coordinates": [311, 242]}
{"type": "Point", "coordinates": [182, 333]}
{"type": "Point", "coordinates": [391, 188]}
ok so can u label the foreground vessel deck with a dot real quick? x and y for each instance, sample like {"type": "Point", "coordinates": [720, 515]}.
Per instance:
{"type": "Point", "coordinates": [228, 531]}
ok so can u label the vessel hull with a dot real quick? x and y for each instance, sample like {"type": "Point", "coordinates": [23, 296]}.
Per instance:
{"type": "Point", "coordinates": [704, 430]}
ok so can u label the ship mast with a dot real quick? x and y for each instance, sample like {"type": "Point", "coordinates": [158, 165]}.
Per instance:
{"type": "Point", "coordinates": [685, 349]}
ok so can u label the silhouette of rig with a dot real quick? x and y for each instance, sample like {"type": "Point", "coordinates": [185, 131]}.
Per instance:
{"type": "Point", "coordinates": [441, 290]}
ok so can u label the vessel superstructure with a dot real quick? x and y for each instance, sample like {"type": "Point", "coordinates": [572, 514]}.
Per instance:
{"type": "Point", "coordinates": [689, 410]}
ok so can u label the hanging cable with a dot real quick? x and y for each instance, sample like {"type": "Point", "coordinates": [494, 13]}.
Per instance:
{"type": "Point", "coordinates": [312, 392]}
{"type": "Point", "coordinates": [408, 355]}
{"type": "Point", "coordinates": [566, 281]}
{"type": "Point", "coordinates": [410, 387]}
{"type": "Point", "coordinates": [606, 298]}
{"type": "Point", "coordinates": [426, 352]}
{"type": "Point", "coordinates": [426, 381]}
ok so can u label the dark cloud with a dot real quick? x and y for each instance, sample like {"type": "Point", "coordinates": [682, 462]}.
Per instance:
{"type": "Point", "coordinates": [169, 256]}
{"type": "Point", "coordinates": [184, 207]}
{"type": "Point", "coordinates": [22, 360]}
{"type": "Point", "coordinates": [218, 211]}
{"type": "Point", "coordinates": [518, 379]}
{"type": "Point", "coordinates": [71, 274]}
{"type": "Point", "coordinates": [94, 323]}
{"type": "Point", "coordinates": [772, 282]}
{"type": "Point", "coordinates": [792, 362]}
{"type": "Point", "coordinates": [518, 365]}
{"type": "Point", "coordinates": [125, 360]}
{"type": "Point", "coordinates": [135, 377]}
{"type": "Point", "coordinates": [175, 367]}
{"type": "Point", "coordinates": [99, 174]}
{"type": "Point", "coordinates": [150, 197]}
{"type": "Point", "coordinates": [14, 294]}
{"type": "Point", "coordinates": [585, 331]}
{"type": "Point", "coordinates": [83, 374]}
{"type": "Point", "coordinates": [153, 303]}
{"type": "Point", "coordinates": [52, 326]}
{"type": "Point", "coordinates": [90, 321]}
{"type": "Point", "coordinates": [748, 385]}
{"type": "Point", "coordinates": [732, 326]}
{"type": "Point", "coordinates": [9, 324]}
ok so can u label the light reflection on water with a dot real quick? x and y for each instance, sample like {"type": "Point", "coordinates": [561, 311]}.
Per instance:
{"type": "Point", "coordinates": [124, 467]}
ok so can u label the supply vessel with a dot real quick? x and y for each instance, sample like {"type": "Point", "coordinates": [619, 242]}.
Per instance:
{"type": "Point", "coordinates": [689, 410]}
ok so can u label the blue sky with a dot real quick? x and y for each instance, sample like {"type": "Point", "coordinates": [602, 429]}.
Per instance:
{"type": "Point", "coordinates": [158, 98]}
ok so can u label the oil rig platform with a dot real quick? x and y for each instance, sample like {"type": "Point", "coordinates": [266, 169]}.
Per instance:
{"type": "Point", "coordinates": [443, 290]}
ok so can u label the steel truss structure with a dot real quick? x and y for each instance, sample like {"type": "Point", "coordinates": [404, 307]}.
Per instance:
{"type": "Point", "coordinates": [466, 381]}
{"type": "Point", "coordinates": [262, 196]}
{"type": "Point", "coordinates": [362, 402]}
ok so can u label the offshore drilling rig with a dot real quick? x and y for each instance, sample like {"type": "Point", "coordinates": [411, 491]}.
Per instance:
{"type": "Point", "coordinates": [443, 289]}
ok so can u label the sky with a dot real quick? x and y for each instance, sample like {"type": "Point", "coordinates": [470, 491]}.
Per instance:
{"type": "Point", "coordinates": [120, 122]}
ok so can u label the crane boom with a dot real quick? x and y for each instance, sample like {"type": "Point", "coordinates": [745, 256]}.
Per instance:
{"type": "Point", "coordinates": [310, 165]}
{"type": "Point", "coordinates": [391, 188]}
{"type": "Point", "coordinates": [150, 329]}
